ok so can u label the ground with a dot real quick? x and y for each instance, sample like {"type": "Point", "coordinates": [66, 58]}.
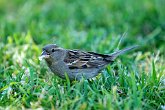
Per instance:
{"type": "Point", "coordinates": [136, 80]}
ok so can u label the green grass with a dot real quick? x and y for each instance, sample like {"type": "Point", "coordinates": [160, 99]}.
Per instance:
{"type": "Point", "coordinates": [135, 80]}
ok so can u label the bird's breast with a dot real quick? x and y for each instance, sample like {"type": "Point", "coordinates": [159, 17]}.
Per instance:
{"type": "Point", "coordinates": [59, 68]}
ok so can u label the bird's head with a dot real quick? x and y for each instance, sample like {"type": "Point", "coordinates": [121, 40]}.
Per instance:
{"type": "Point", "coordinates": [52, 53]}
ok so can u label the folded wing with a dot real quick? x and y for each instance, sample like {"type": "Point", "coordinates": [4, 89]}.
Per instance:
{"type": "Point", "coordinates": [76, 59]}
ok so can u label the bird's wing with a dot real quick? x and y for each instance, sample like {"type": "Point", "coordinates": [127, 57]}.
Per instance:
{"type": "Point", "coordinates": [76, 59]}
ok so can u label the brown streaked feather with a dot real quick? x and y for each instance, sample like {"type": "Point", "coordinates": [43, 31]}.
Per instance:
{"type": "Point", "coordinates": [77, 59]}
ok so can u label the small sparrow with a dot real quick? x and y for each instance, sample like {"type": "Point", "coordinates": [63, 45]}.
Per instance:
{"type": "Point", "coordinates": [76, 63]}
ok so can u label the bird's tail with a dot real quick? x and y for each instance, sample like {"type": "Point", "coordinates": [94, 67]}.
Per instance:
{"type": "Point", "coordinates": [119, 52]}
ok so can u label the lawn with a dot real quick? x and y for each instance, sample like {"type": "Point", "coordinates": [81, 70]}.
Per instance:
{"type": "Point", "coordinates": [136, 80]}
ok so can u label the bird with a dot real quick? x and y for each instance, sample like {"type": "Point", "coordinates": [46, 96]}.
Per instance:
{"type": "Point", "coordinates": [77, 64]}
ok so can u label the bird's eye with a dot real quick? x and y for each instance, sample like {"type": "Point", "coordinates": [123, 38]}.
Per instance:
{"type": "Point", "coordinates": [53, 50]}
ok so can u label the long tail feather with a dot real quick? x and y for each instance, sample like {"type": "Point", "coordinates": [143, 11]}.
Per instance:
{"type": "Point", "coordinates": [116, 54]}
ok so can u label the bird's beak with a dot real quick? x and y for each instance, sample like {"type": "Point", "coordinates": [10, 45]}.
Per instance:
{"type": "Point", "coordinates": [44, 55]}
